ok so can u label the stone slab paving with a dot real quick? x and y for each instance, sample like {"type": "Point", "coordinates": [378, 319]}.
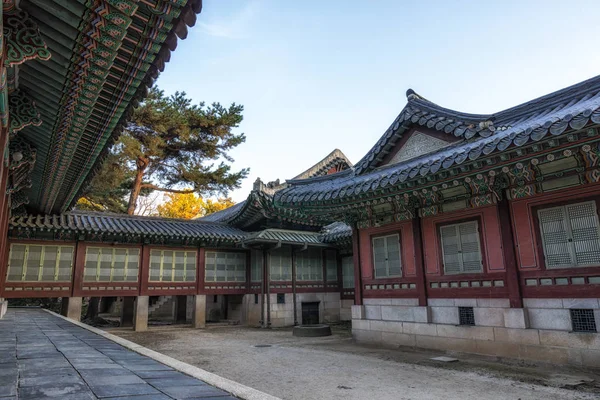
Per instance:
{"type": "Point", "coordinates": [46, 357]}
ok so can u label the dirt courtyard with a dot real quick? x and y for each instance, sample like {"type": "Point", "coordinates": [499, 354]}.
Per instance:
{"type": "Point", "coordinates": [337, 368]}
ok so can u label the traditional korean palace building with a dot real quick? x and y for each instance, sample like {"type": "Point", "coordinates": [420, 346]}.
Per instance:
{"type": "Point", "coordinates": [459, 232]}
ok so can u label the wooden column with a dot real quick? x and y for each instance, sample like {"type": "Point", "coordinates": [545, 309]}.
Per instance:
{"type": "Point", "coordinates": [295, 305]}
{"type": "Point", "coordinates": [419, 264]}
{"type": "Point", "coordinates": [510, 257]}
{"type": "Point", "coordinates": [357, 270]}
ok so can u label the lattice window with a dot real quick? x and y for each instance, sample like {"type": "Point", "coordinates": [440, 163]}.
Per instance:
{"type": "Point", "coordinates": [466, 316]}
{"type": "Point", "coordinates": [386, 256]}
{"type": "Point", "coordinates": [224, 266]}
{"type": "Point", "coordinates": [280, 267]}
{"type": "Point", "coordinates": [256, 266]}
{"type": "Point", "coordinates": [309, 265]}
{"type": "Point", "coordinates": [172, 266]}
{"type": "Point", "coordinates": [461, 250]}
{"type": "Point", "coordinates": [570, 235]}
{"type": "Point", "coordinates": [348, 272]}
{"type": "Point", "coordinates": [111, 264]}
{"type": "Point", "coordinates": [583, 320]}
{"type": "Point", "coordinates": [37, 263]}
{"type": "Point", "coordinates": [331, 265]}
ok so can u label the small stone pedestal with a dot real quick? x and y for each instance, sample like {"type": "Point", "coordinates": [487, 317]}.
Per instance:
{"type": "Point", "coordinates": [71, 307]}
{"type": "Point", "coordinates": [199, 315]}
{"type": "Point", "coordinates": [3, 307]}
{"type": "Point", "coordinates": [140, 318]}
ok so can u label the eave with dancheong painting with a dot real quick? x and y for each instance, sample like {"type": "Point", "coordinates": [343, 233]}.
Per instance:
{"type": "Point", "coordinates": [72, 73]}
{"type": "Point", "coordinates": [549, 143]}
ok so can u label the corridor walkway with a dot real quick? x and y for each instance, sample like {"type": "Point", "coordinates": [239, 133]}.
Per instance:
{"type": "Point", "coordinates": [45, 357]}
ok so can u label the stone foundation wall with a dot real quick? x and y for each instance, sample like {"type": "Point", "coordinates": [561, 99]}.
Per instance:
{"type": "Point", "coordinates": [346, 310]}
{"type": "Point", "coordinates": [283, 314]}
{"type": "Point", "coordinates": [540, 331]}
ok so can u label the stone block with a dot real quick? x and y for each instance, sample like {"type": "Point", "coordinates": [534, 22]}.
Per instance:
{"type": "Point", "coordinates": [72, 308]}
{"type": "Point", "coordinates": [493, 303]}
{"type": "Point", "coordinates": [570, 339]}
{"type": "Point", "coordinates": [440, 302]}
{"type": "Point", "coordinates": [358, 312]}
{"type": "Point", "coordinates": [398, 339]}
{"type": "Point", "coordinates": [547, 318]}
{"type": "Point", "coordinates": [542, 303]}
{"type": "Point", "coordinates": [580, 303]}
{"type": "Point", "coordinates": [386, 326]}
{"type": "Point", "coordinates": [347, 303]}
{"type": "Point", "coordinates": [555, 355]}
{"type": "Point", "coordinates": [444, 315]}
{"type": "Point", "coordinates": [377, 302]}
{"type": "Point", "coordinates": [372, 312]}
{"type": "Point", "coordinates": [3, 307]}
{"type": "Point", "coordinates": [413, 328]}
{"type": "Point", "coordinates": [517, 318]}
{"type": "Point", "coordinates": [332, 305]}
{"type": "Point", "coordinates": [422, 314]}
{"type": "Point", "coordinates": [333, 296]}
{"type": "Point", "coordinates": [499, 349]}
{"type": "Point", "coordinates": [518, 336]}
{"type": "Point", "coordinates": [446, 344]}
{"type": "Point", "coordinates": [590, 358]}
{"type": "Point", "coordinates": [345, 314]}
{"type": "Point", "coordinates": [466, 332]}
{"type": "Point", "coordinates": [360, 324]}
{"type": "Point", "coordinates": [489, 316]}
{"type": "Point", "coordinates": [397, 313]}
{"type": "Point", "coordinates": [575, 356]}
{"type": "Point", "coordinates": [140, 318]}
{"type": "Point", "coordinates": [405, 302]}
{"type": "Point", "coordinates": [367, 336]}
{"type": "Point", "coordinates": [465, 302]}
{"type": "Point", "coordinates": [199, 311]}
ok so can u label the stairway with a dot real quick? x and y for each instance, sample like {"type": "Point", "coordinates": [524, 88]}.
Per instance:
{"type": "Point", "coordinates": [163, 307]}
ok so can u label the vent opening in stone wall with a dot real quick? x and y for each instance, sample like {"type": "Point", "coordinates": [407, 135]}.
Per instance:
{"type": "Point", "coordinates": [583, 320]}
{"type": "Point", "coordinates": [466, 316]}
{"type": "Point", "coordinates": [280, 298]}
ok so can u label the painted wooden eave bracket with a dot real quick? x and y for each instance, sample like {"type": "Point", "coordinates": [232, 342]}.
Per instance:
{"type": "Point", "coordinates": [22, 111]}
{"type": "Point", "coordinates": [22, 39]}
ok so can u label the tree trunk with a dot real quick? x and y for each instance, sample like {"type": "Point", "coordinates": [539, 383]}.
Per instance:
{"type": "Point", "coordinates": [92, 311]}
{"type": "Point", "coordinates": [135, 190]}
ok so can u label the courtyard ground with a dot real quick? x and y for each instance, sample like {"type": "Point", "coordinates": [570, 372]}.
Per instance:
{"type": "Point", "coordinates": [337, 368]}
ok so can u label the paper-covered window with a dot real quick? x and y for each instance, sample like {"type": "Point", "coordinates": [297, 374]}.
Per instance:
{"type": "Point", "coordinates": [172, 266]}
{"type": "Point", "coordinates": [40, 263]}
{"type": "Point", "coordinates": [225, 266]}
{"type": "Point", "coordinates": [111, 264]}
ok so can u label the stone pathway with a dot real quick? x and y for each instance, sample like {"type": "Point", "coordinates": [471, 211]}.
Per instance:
{"type": "Point", "coordinates": [45, 357]}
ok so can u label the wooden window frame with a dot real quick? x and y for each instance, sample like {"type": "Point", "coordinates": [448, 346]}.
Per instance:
{"type": "Point", "coordinates": [538, 232]}
{"type": "Point", "coordinates": [112, 249]}
{"type": "Point", "coordinates": [161, 269]}
{"type": "Point", "coordinates": [352, 272]}
{"type": "Point", "coordinates": [252, 261]}
{"type": "Point", "coordinates": [482, 248]}
{"type": "Point", "coordinates": [288, 250]}
{"type": "Point", "coordinates": [215, 281]}
{"type": "Point", "coordinates": [371, 247]}
{"type": "Point", "coordinates": [318, 267]}
{"type": "Point", "coordinates": [41, 270]}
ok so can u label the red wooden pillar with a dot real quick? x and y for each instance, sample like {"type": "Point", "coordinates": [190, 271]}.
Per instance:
{"type": "Point", "coordinates": [510, 258]}
{"type": "Point", "coordinates": [78, 269]}
{"type": "Point", "coordinates": [419, 264]}
{"type": "Point", "coordinates": [357, 270]}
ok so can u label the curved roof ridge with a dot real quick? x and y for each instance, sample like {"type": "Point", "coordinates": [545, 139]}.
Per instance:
{"type": "Point", "coordinates": [126, 216]}
{"type": "Point", "coordinates": [335, 154]}
{"type": "Point", "coordinates": [550, 99]}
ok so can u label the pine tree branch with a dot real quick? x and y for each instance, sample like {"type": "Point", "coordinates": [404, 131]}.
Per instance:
{"type": "Point", "coordinates": [154, 187]}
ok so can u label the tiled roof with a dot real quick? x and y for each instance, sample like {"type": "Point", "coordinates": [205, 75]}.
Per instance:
{"type": "Point", "coordinates": [119, 224]}
{"type": "Point", "coordinates": [224, 215]}
{"type": "Point", "coordinates": [336, 232]}
{"type": "Point", "coordinates": [284, 236]}
{"type": "Point", "coordinates": [550, 115]}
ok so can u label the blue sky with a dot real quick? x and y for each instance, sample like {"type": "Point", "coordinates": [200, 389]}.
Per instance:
{"type": "Point", "coordinates": [316, 75]}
